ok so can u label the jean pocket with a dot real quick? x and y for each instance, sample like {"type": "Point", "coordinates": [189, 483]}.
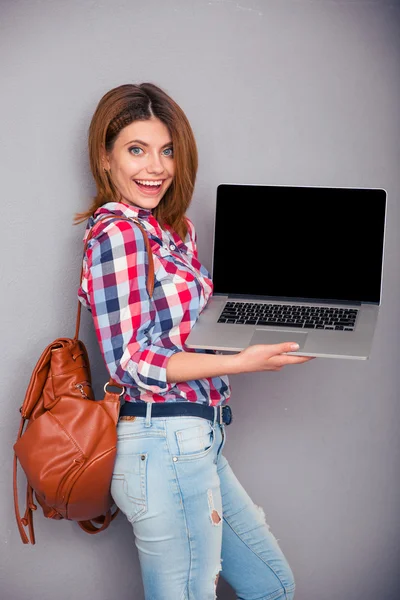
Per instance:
{"type": "Point", "coordinates": [129, 485]}
{"type": "Point", "coordinates": [195, 441]}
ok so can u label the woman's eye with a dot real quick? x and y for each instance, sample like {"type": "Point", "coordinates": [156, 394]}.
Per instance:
{"type": "Point", "coordinates": [168, 152]}
{"type": "Point", "coordinates": [135, 150]}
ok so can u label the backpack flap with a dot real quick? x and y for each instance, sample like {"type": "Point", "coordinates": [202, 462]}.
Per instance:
{"type": "Point", "coordinates": [69, 373]}
{"type": "Point", "coordinates": [36, 383]}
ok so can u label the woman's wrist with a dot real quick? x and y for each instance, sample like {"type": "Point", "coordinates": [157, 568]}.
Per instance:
{"type": "Point", "coordinates": [233, 364]}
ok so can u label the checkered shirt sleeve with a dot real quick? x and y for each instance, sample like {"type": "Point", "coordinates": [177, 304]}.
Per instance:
{"type": "Point", "coordinates": [124, 314]}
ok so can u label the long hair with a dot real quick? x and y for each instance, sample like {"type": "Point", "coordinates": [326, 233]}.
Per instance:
{"type": "Point", "coordinates": [122, 106]}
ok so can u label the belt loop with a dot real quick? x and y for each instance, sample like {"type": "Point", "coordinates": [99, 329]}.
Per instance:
{"type": "Point", "coordinates": [148, 415]}
{"type": "Point", "coordinates": [215, 416]}
{"type": "Point", "coordinates": [221, 420]}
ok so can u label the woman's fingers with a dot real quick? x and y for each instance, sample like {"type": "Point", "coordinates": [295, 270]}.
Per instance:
{"type": "Point", "coordinates": [262, 357]}
{"type": "Point", "coordinates": [294, 360]}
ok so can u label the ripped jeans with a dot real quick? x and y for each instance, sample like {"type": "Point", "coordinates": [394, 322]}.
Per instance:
{"type": "Point", "coordinates": [191, 517]}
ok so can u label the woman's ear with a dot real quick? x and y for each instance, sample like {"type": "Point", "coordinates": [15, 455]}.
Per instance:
{"type": "Point", "coordinates": [105, 163]}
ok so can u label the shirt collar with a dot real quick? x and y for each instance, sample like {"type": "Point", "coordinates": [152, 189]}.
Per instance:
{"type": "Point", "coordinates": [148, 221]}
{"type": "Point", "coordinates": [126, 210]}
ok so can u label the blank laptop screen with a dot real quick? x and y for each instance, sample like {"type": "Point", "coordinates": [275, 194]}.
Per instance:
{"type": "Point", "coordinates": [299, 242]}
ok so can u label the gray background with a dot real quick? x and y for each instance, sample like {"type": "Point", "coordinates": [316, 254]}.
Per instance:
{"type": "Point", "coordinates": [282, 92]}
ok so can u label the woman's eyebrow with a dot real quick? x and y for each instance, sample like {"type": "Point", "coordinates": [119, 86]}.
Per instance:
{"type": "Point", "coordinates": [145, 144]}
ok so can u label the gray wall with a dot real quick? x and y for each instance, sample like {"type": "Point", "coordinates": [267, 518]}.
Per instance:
{"type": "Point", "coordinates": [283, 92]}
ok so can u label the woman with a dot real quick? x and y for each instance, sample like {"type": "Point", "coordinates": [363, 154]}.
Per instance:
{"type": "Point", "coordinates": [191, 517]}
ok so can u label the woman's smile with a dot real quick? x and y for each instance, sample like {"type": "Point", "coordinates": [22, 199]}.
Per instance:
{"type": "Point", "coordinates": [149, 187]}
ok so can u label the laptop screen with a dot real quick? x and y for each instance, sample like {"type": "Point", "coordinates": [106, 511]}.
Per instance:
{"type": "Point", "coordinates": [299, 242]}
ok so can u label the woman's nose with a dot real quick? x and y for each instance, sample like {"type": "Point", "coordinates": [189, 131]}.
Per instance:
{"type": "Point", "coordinates": [155, 164]}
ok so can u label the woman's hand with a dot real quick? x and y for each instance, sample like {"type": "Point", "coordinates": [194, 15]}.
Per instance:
{"type": "Point", "coordinates": [272, 357]}
{"type": "Point", "coordinates": [185, 366]}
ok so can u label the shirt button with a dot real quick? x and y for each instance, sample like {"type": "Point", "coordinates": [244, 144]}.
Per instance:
{"type": "Point", "coordinates": [172, 247]}
{"type": "Point", "coordinates": [174, 458]}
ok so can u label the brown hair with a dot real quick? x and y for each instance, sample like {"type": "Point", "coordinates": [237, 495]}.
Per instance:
{"type": "Point", "coordinates": [122, 106]}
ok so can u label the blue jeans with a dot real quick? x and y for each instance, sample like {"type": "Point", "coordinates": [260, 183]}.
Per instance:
{"type": "Point", "coordinates": [191, 517]}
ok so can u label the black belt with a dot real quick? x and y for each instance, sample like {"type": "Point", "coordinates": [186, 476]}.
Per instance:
{"type": "Point", "coordinates": [177, 409]}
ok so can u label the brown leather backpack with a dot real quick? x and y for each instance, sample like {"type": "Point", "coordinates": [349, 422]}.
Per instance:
{"type": "Point", "coordinates": [68, 448]}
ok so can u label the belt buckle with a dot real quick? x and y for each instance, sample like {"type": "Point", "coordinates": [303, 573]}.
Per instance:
{"type": "Point", "coordinates": [228, 417]}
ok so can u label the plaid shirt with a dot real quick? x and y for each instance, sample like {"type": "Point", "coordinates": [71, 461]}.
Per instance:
{"type": "Point", "coordinates": [138, 334]}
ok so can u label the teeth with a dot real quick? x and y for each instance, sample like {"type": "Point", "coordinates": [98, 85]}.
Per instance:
{"type": "Point", "coordinates": [150, 183]}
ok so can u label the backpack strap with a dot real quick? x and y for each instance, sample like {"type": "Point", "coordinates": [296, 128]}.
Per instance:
{"type": "Point", "coordinates": [27, 520]}
{"type": "Point", "coordinates": [104, 521]}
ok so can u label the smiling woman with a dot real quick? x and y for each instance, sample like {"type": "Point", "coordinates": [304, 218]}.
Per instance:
{"type": "Point", "coordinates": [187, 509]}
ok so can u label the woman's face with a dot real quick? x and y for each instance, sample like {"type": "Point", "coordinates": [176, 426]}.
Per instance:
{"type": "Point", "coordinates": [141, 163]}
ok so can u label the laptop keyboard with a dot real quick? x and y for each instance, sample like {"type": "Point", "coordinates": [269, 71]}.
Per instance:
{"type": "Point", "coordinates": [287, 315]}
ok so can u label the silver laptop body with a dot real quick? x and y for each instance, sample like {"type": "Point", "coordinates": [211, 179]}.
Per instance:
{"type": "Point", "coordinates": [295, 263]}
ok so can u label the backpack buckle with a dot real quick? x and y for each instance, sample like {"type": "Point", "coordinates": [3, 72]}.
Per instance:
{"type": "Point", "coordinates": [105, 389]}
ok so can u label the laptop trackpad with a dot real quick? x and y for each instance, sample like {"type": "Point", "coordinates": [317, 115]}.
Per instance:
{"type": "Point", "coordinates": [272, 336]}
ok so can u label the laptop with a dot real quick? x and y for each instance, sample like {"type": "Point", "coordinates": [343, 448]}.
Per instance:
{"type": "Point", "coordinates": [295, 263]}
